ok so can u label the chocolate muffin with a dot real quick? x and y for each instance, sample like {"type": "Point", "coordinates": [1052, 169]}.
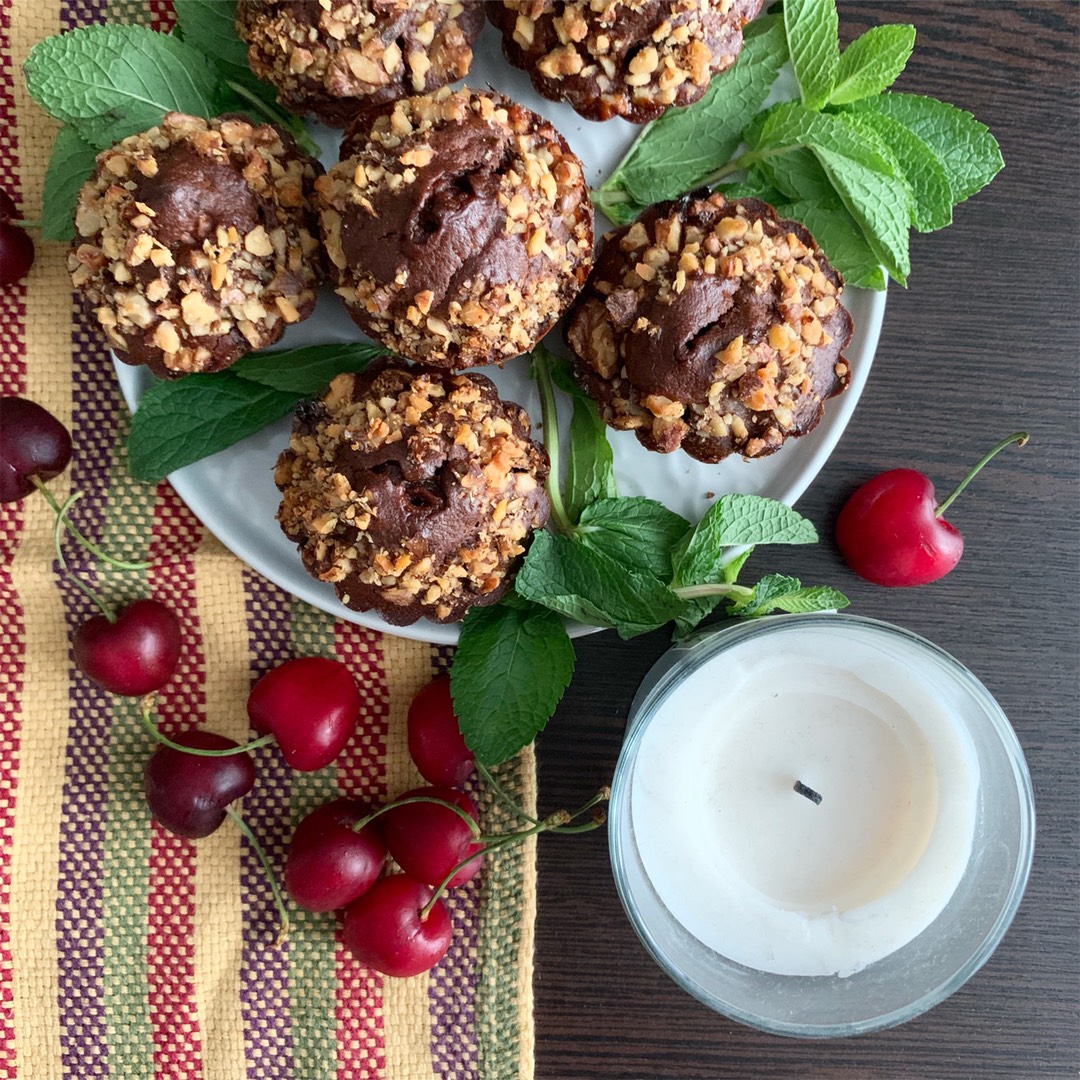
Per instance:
{"type": "Point", "coordinates": [334, 57]}
{"type": "Point", "coordinates": [712, 325]}
{"type": "Point", "coordinates": [458, 227]}
{"type": "Point", "coordinates": [629, 58]}
{"type": "Point", "coordinates": [414, 490]}
{"type": "Point", "coordinates": [196, 242]}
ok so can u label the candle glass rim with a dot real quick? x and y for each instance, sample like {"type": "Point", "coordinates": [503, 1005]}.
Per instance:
{"type": "Point", "coordinates": [678, 664]}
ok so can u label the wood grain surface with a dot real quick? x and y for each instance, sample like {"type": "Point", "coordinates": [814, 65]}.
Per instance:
{"type": "Point", "coordinates": [984, 341]}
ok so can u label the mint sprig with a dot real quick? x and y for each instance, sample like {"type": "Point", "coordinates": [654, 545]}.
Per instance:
{"type": "Point", "coordinates": [182, 421]}
{"type": "Point", "coordinates": [684, 146]}
{"type": "Point", "coordinates": [108, 81]}
{"type": "Point", "coordinates": [858, 166]}
{"type": "Point", "coordinates": [630, 564]}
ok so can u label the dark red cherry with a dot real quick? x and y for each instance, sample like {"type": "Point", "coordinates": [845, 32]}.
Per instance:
{"type": "Point", "coordinates": [189, 794]}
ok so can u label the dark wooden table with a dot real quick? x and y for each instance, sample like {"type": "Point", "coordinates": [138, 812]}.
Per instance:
{"type": "Point", "coordinates": [983, 342]}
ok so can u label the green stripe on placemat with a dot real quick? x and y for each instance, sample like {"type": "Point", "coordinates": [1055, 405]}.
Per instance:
{"type": "Point", "coordinates": [312, 949]}
{"type": "Point", "coordinates": [129, 521]}
{"type": "Point", "coordinates": [506, 914]}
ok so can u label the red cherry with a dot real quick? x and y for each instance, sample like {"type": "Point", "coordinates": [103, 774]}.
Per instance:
{"type": "Point", "coordinates": [188, 794]}
{"type": "Point", "coordinates": [32, 443]}
{"type": "Point", "coordinates": [16, 247]}
{"type": "Point", "coordinates": [330, 864]}
{"type": "Point", "coordinates": [310, 705]}
{"type": "Point", "coordinates": [892, 532]}
{"type": "Point", "coordinates": [889, 534]}
{"type": "Point", "coordinates": [428, 840]}
{"type": "Point", "coordinates": [436, 744]}
{"type": "Point", "coordinates": [134, 655]}
{"type": "Point", "coordinates": [384, 930]}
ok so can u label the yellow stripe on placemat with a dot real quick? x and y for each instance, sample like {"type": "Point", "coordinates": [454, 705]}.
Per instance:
{"type": "Point", "coordinates": [406, 1002]}
{"type": "Point", "coordinates": [44, 722]}
{"type": "Point", "coordinates": [219, 918]}
{"type": "Point", "coordinates": [38, 803]}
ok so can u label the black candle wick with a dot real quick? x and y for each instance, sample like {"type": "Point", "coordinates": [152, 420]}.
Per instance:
{"type": "Point", "coordinates": [809, 793]}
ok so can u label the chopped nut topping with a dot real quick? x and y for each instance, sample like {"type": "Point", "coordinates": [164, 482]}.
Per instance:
{"type": "Point", "coordinates": [474, 288]}
{"type": "Point", "coordinates": [413, 491]}
{"type": "Point", "coordinates": [622, 57]}
{"type": "Point", "coordinates": [183, 318]}
{"type": "Point", "coordinates": [332, 59]}
{"type": "Point", "coordinates": [732, 353]}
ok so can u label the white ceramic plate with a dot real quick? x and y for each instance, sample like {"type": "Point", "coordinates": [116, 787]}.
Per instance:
{"type": "Point", "coordinates": [233, 492]}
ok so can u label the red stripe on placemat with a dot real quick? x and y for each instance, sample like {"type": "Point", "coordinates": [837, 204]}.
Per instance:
{"type": "Point", "coordinates": [180, 706]}
{"type": "Point", "coordinates": [162, 15]}
{"type": "Point", "coordinates": [362, 775]}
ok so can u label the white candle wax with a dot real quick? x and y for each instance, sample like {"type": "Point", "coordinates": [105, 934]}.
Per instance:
{"type": "Point", "coordinates": [760, 873]}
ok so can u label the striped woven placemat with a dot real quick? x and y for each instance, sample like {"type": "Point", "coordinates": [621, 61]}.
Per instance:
{"type": "Point", "coordinates": [128, 952]}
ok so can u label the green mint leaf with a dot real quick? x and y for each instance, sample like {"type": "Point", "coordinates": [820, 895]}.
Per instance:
{"type": "Point", "coordinates": [872, 62]}
{"type": "Point", "coordinates": [109, 81]}
{"type": "Point", "coordinates": [811, 598]}
{"type": "Point", "coordinates": [931, 191]}
{"type": "Point", "coordinates": [70, 167]}
{"type": "Point", "coordinates": [210, 27]}
{"type": "Point", "coordinates": [966, 149]}
{"type": "Point", "coordinates": [799, 176]}
{"type": "Point", "coordinates": [513, 664]}
{"type": "Point", "coordinates": [678, 152]}
{"type": "Point", "coordinates": [812, 28]}
{"type": "Point", "coordinates": [584, 583]}
{"type": "Point", "coordinates": [842, 241]}
{"type": "Point", "coordinates": [755, 185]}
{"type": "Point", "coordinates": [590, 471]}
{"type": "Point", "coordinates": [639, 533]}
{"type": "Point", "coordinates": [862, 170]}
{"type": "Point", "coordinates": [306, 370]}
{"type": "Point", "coordinates": [778, 592]}
{"type": "Point", "coordinates": [735, 521]}
{"type": "Point", "coordinates": [180, 422]}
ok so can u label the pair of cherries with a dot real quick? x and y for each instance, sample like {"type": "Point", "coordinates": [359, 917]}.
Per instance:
{"type": "Point", "coordinates": [131, 652]}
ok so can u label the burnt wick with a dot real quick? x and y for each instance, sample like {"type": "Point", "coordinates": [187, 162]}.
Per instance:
{"type": "Point", "coordinates": [809, 793]}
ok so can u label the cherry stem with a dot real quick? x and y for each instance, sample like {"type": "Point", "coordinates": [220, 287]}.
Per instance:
{"type": "Point", "coordinates": [279, 900]}
{"type": "Point", "coordinates": [558, 822]}
{"type": "Point", "coordinates": [504, 796]}
{"type": "Point", "coordinates": [77, 581]}
{"type": "Point", "coordinates": [1018, 437]}
{"type": "Point", "coordinates": [83, 541]}
{"type": "Point", "coordinates": [196, 751]}
{"type": "Point", "coordinates": [462, 813]}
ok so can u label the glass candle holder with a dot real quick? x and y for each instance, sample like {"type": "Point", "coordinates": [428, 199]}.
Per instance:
{"type": "Point", "coordinates": [820, 825]}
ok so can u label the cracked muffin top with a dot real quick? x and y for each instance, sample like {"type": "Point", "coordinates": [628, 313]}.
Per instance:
{"type": "Point", "coordinates": [458, 227]}
{"type": "Point", "coordinates": [712, 325]}
{"type": "Point", "coordinates": [413, 490]}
